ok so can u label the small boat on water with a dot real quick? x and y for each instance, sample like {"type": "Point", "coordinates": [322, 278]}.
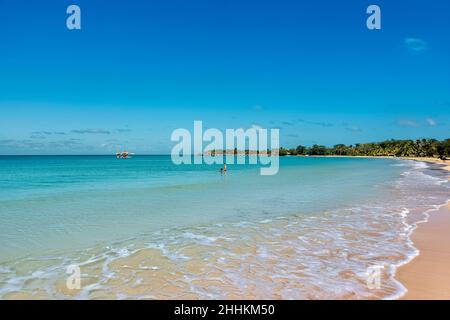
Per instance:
{"type": "Point", "coordinates": [123, 155]}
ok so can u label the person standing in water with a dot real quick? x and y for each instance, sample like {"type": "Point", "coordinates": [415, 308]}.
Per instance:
{"type": "Point", "coordinates": [224, 169]}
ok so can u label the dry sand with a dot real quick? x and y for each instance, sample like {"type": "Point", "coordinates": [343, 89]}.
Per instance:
{"type": "Point", "coordinates": [428, 275]}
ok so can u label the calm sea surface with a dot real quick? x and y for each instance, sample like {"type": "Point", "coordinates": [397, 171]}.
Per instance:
{"type": "Point", "coordinates": [311, 231]}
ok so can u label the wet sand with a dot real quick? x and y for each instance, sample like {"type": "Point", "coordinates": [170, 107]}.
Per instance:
{"type": "Point", "coordinates": [222, 266]}
{"type": "Point", "coordinates": [428, 275]}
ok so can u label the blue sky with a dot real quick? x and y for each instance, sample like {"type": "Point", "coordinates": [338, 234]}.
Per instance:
{"type": "Point", "coordinates": [139, 69]}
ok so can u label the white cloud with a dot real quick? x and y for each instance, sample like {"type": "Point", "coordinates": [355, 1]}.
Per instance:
{"type": "Point", "coordinates": [91, 131]}
{"type": "Point", "coordinates": [431, 122]}
{"type": "Point", "coordinates": [416, 45]}
{"type": "Point", "coordinates": [407, 123]}
{"type": "Point", "coordinates": [354, 128]}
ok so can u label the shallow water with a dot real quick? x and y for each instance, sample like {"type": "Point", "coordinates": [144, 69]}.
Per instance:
{"type": "Point", "coordinates": [145, 228]}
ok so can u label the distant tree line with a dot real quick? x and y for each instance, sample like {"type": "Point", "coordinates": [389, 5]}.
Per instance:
{"type": "Point", "coordinates": [398, 148]}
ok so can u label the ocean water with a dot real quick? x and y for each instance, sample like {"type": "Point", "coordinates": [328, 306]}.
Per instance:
{"type": "Point", "coordinates": [144, 228]}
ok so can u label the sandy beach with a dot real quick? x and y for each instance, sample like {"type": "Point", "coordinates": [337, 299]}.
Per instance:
{"type": "Point", "coordinates": [428, 275]}
{"type": "Point", "coordinates": [255, 254]}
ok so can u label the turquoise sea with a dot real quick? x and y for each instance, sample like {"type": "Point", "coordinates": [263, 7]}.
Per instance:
{"type": "Point", "coordinates": [321, 222]}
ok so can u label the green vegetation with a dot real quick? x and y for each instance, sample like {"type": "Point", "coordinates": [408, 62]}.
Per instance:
{"type": "Point", "coordinates": [398, 148]}
{"type": "Point", "coordinates": [393, 148]}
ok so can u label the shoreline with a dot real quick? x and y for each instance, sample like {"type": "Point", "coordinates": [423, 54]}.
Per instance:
{"type": "Point", "coordinates": [427, 276]}
{"type": "Point", "coordinates": [424, 275]}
